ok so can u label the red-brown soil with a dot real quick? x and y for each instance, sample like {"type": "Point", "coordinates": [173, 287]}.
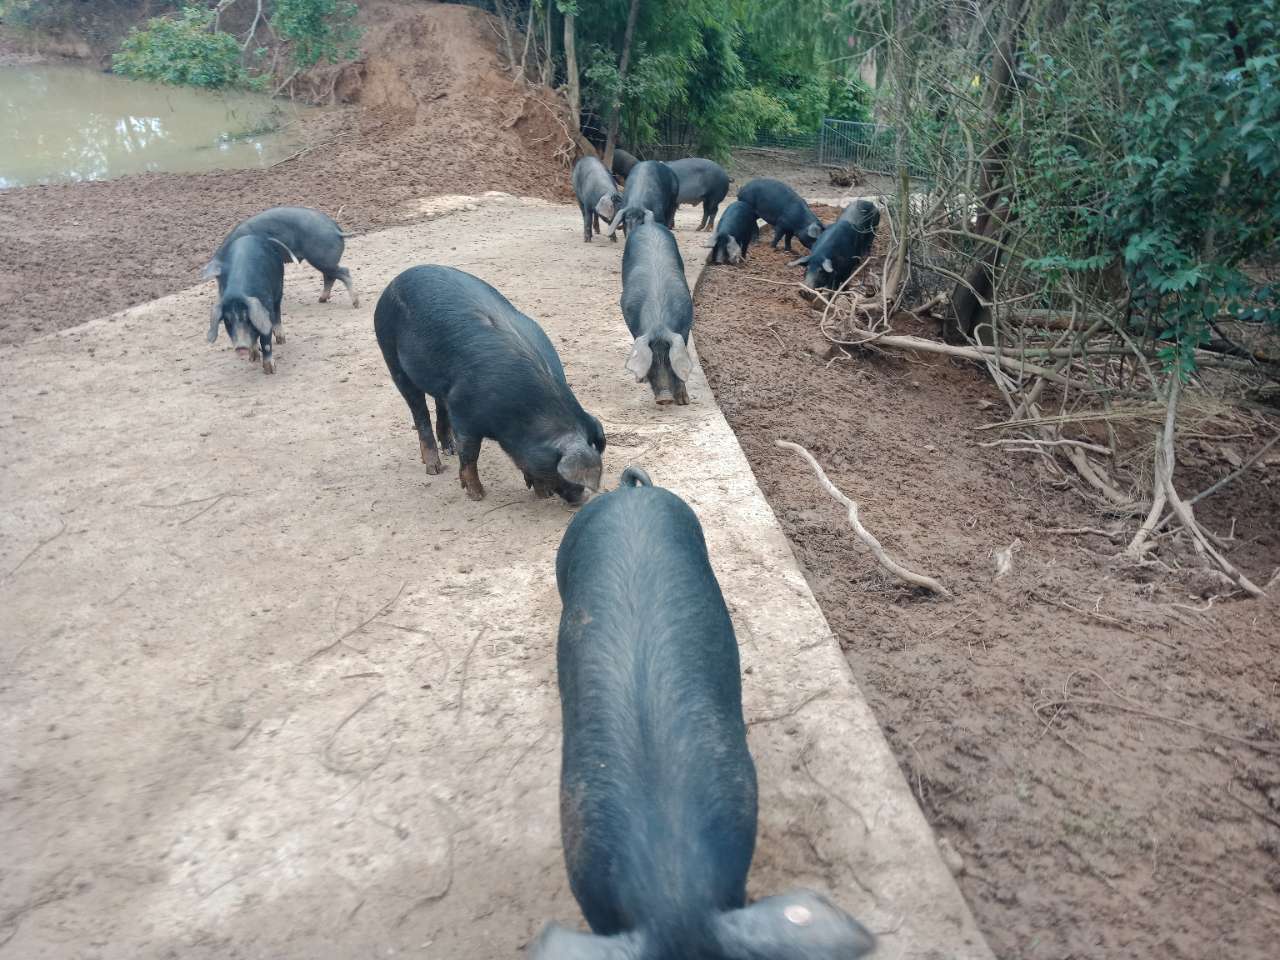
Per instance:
{"type": "Point", "coordinates": [1140, 817]}
{"type": "Point", "coordinates": [430, 110]}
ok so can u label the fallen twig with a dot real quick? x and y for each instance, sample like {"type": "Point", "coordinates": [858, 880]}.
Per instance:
{"type": "Point", "coordinates": [382, 611]}
{"type": "Point", "coordinates": [1096, 448]}
{"type": "Point", "coordinates": [38, 547]}
{"type": "Point", "coordinates": [1260, 745]}
{"type": "Point", "coordinates": [899, 571]}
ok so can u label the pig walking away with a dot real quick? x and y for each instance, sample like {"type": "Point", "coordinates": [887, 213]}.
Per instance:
{"type": "Point", "coordinates": [311, 236]}
{"type": "Point", "coordinates": [701, 181]}
{"type": "Point", "coordinates": [657, 785]}
{"type": "Point", "coordinates": [493, 374]}
{"type": "Point", "coordinates": [597, 195]}
{"type": "Point", "coordinates": [658, 310]}
{"type": "Point", "coordinates": [736, 230]}
{"type": "Point", "coordinates": [651, 186]}
{"type": "Point", "coordinates": [250, 288]}
{"type": "Point", "coordinates": [778, 204]}
{"type": "Point", "coordinates": [841, 247]}
{"type": "Point", "coordinates": [622, 163]}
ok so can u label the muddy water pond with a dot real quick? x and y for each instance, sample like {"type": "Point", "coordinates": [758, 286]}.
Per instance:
{"type": "Point", "coordinates": [67, 123]}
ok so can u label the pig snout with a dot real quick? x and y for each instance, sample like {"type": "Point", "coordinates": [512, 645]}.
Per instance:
{"type": "Point", "coordinates": [242, 338]}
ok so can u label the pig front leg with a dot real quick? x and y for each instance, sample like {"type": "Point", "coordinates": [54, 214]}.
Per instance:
{"type": "Point", "coordinates": [468, 472]}
{"type": "Point", "coordinates": [268, 361]}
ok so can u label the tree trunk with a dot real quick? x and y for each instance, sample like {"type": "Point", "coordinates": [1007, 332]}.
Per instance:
{"type": "Point", "coordinates": [548, 47]}
{"type": "Point", "coordinates": [615, 110]}
{"type": "Point", "coordinates": [571, 72]}
{"type": "Point", "coordinates": [966, 298]}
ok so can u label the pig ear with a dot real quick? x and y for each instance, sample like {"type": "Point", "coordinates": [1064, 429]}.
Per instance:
{"type": "Point", "coordinates": [580, 464]}
{"type": "Point", "coordinates": [605, 207]}
{"type": "Point", "coordinates": [211, 269]}
{"type": "Point", "coordinates": [560, 943]}
{"type": "Point", "coordinates": [617, 219]}
{"type": "Point", "coordinates": [286, 249]}
{"type": "Point", "coordinates": [826, 265]}
{"type": "Point", "coordinates": [641, 358]}
{"type": "Point", "coordinates": [259, 316]}
{"type": "Point", "coordinates": [815, 229]}
{"type": "Point", "coordinates": [648, 216]}
{"type": "Point", "coordinates": [799, 262]}
{"type": "Point", "coordinates": [795, 926]}
{"type": "Point", "coordinates": [215, 318]}
{"type": "Point", "coordinates": [681, 362]}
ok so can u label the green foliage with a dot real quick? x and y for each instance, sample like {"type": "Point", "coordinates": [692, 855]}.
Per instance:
{"type": "Point", "coordinates": [719, 72]}
{"type": "Point", "coordinates": [850, 98]}
{"type": "Point", "coordinates": [182, 50]}
{"type": "Point", "coordinates": [1166, 161]}
{"type": "Point", "coordinates": [317, 30]}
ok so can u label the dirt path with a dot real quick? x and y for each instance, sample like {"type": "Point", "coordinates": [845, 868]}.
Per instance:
{"type": "Point", "coordinates": [274, 692]}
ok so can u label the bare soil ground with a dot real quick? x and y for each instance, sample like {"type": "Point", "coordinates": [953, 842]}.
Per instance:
{"type": "Point", "coordinates": [428, 110]}
{"type": "Point", "coordinates": [1102, 748]}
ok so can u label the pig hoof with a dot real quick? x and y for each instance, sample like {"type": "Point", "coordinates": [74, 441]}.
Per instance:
{"type": "Point", "coordinates": [268, 365]}
{"type": "Point", "coordinates": [324, 298]}
{"type": "Point", "coordinates": [278, 334]}
{"type": "Point", "coordinates": [254, 355]}
{"type": "Point", "coordinates": [469, 477]}
{"type": "Point", "coordinates": [448, 446]}
{"type": "Point", "coordinates": [430, 457]}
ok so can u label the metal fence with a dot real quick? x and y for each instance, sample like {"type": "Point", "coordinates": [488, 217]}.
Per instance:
{"type": "Point", "coordinates": [867, 146]}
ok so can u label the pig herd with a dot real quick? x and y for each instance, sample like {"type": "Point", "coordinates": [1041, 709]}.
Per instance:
{"type": "Point", "coordinates": [658, 788]}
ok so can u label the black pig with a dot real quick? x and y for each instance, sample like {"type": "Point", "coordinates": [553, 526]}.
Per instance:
{"type": "Point", "coordinates": [658, 310]}
{"type": "Point", "coordinates": [597, 195]}
{"type": "Point", "coordinates": [250, 288]}
{"type": "Point", "coordinates": [493, 374]}
{"type": "Point", "coordinates": [778, 204]}
{"type": "Point", "coordinates": [651, 186]}
{"type": "Point", "coordinates": [734, 233]}
{"type": "Point", "coordinates": [841, 247]}
{"type": "Point", "coordinates": [701, 181]}
{"type": "Point", "coordinates": [309, 234]}
{"type": "Point", "coordinates": [657, 785]}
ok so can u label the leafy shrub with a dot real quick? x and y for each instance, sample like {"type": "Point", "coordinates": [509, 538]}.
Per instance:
{"type": "Point", "coordinates": [317, 30]}
{"type": "Point", "coordinates": [850, 99]}
{"type": "Point", "coordinates": [182, 50]}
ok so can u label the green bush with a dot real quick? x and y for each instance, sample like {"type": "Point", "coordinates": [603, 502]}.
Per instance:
{"type": "Point", "coordinates": [182, 50]}
{"type": "Point", "coordinates": [317, 30]}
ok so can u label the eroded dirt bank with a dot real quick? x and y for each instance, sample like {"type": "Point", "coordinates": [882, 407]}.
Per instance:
{"type": "Point", "coordinates": [1101, 747]}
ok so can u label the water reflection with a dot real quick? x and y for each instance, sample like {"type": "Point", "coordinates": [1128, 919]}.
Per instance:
{"type": "Point", "coordinates": [72, 123]}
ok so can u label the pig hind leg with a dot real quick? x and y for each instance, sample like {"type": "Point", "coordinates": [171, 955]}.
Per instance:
{"type": "Point", "coordinates": [468, 472]}
{"type": "Point", "coordinates": [444, 428]}
{"type": "Point", "coordinates": [343, 274]}
{"type": "Point", "coordinates": [417, 401]}
{"type": "Point", "coordinates": [709, 214]}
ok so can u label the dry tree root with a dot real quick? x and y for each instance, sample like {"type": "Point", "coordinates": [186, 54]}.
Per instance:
{"type": "Point", "coordinates": [899, 571]}
{"type": "Point", "coordinates": [1165, 492]}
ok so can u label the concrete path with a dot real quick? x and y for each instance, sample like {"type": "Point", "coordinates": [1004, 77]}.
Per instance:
{"type": "Point", "coordinates": [267, 690]}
